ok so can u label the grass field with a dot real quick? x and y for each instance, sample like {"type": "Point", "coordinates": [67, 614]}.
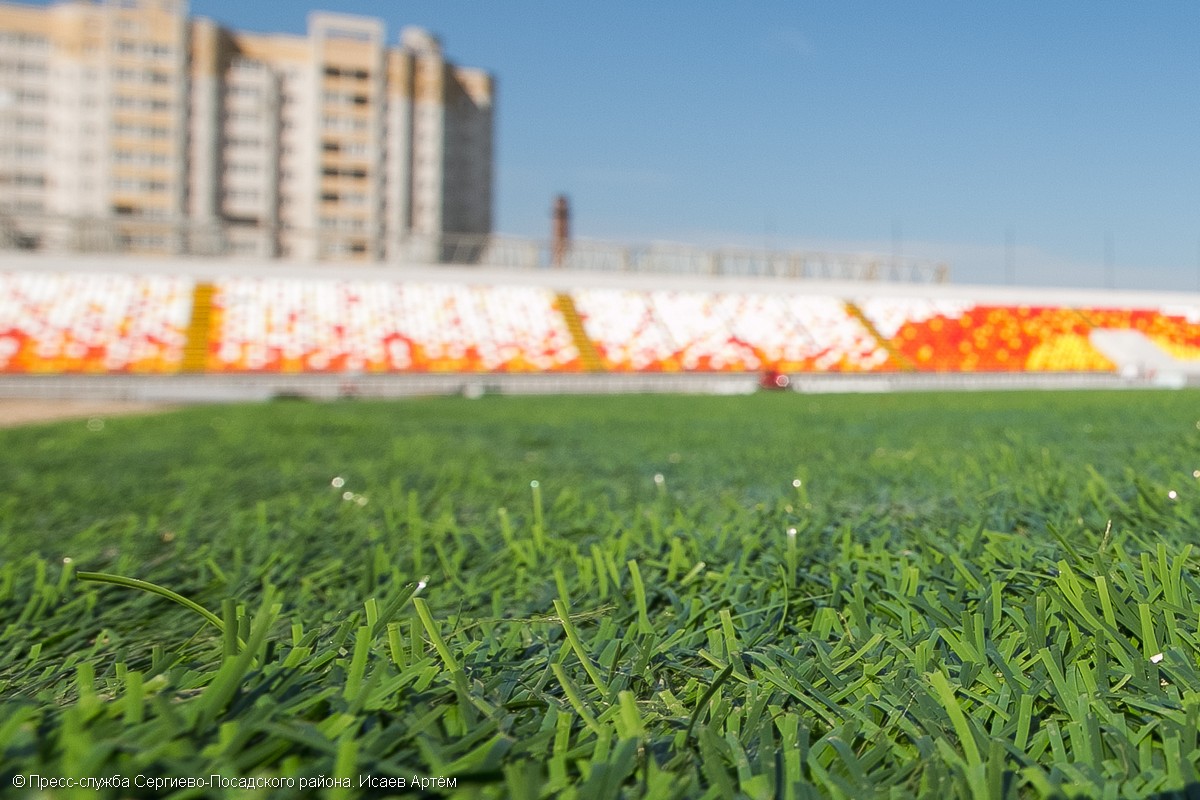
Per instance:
{"type": "Point", "coordinates": [948, 595]}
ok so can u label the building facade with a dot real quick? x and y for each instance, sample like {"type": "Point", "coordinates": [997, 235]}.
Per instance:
{"type": "Point", "coordinates": [126, 125]}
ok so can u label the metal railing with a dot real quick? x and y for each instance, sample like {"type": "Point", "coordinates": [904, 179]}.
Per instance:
{"type": "Point", "coordinates": [680, 259]}
{"type": "Point", "coordinates": [138, 235]}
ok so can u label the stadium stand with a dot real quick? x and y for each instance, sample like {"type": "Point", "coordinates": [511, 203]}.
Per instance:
{"type": "Point", "coordinates": [108, 322]}
{"type": "Point", "coordinates": [88, 323]}
{"type": "Point", "coordinates": [1176, 329]}
{"type": "Point", "coordinates": [961, 336]}
{"type": "Point", "coordinates": [725, 331]}
{"type": "Point", "coordinates": [837, 339]}
{"type": "Point", "coordinates": [296, 325]}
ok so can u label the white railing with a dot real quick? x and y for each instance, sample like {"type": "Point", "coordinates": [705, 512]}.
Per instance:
{"type": "Point", "coordinates": [240, 240]}
{"type": "Point", "coordinates": [600, 256]}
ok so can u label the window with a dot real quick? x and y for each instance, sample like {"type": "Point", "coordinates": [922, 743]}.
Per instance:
{"type": "Point", "coordinates": [335, 123]}
{"type": "Point", "coordinates": [242, 195]}
{"type": "Point", "coordinates": [346, 98]}
{"type": "Point", "coordinates": [347, 72]}
{"type": "Point", "coordinates": [29, 206]}
{"type": "Point", "coordinates": [345, 172]}
{"type": "Point", "coordinates": [24, 152]}
{"type": "Point", "coordinates": [29, 41]}
{"type": "Point", "coordinates": [348, 34]}
{"type": "Point", "coordinates": [142, 157]}
{"type": "Point", "coordinates": [28, 181]}
{"type": "Point", "coordinates": [336, 223]}
{"type": "Point", "coordinates": [145, 241]}
{"type": "Point", "coordinates": [139, 185]}
{"type": "Point", "coordinates": [342, 248]}
{"type": "Point", "coordinates": [146, 131]}
{"type": "Point", "coordinates": [247, 65]}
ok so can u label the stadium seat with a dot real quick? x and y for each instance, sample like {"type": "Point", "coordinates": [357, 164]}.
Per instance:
{"type": "Point", "coordinates": [92, 322]}
{"type": "Point", "coordinates": [290, 325]}
{"type": "Point", "coordinates": [102, 322]}
{"type": "Point", "coordinates": [1176, 329]}
{"type": "Point", "coordinates": [960, 336]}
{"type": "Point", "coordinates": [724, 332]}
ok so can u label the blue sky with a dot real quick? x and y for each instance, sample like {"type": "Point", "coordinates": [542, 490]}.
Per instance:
{"type": "Point", "coordinates": [935, 128]}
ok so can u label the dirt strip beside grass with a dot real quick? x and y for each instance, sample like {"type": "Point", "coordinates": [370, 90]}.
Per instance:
{"type": "Point", "coordinates": [26, 412]}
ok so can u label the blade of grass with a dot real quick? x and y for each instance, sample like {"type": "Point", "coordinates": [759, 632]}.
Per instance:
{"type": "Point", "coordinates": [153, 588]}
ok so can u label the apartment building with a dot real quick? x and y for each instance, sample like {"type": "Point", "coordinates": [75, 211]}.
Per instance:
{"type": "Point", "coordinates": [128, 125]}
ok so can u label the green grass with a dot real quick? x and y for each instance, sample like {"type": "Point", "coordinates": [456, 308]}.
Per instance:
{"type": "Point", "coordinates": [967, 595]}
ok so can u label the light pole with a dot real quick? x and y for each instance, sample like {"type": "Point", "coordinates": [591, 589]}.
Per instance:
{"type": "Point", "coordinates": [896, 241]}
{"type": "Point", "coordinates": [1009, 256]}
{"type": "Point", "coordinates": [1108, 260]}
